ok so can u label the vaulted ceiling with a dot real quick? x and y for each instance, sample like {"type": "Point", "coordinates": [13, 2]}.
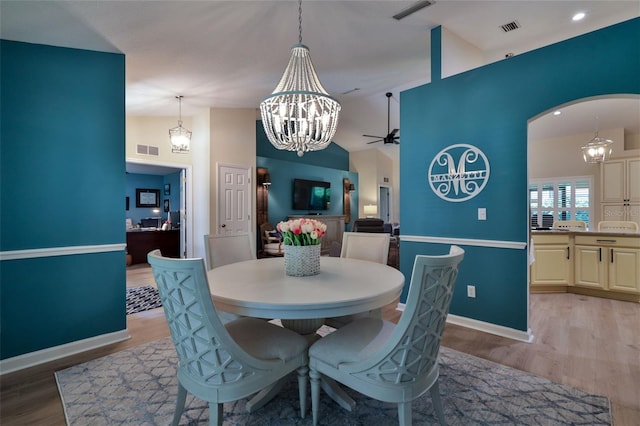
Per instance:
{"type": "Point", "coordinates": [223, 54]}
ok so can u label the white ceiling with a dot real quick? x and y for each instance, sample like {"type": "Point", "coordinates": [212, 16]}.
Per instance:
{"type": "Point", "coordinates": [225, 54]}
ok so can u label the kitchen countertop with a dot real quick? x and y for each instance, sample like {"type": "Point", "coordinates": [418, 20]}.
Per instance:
{"type": "Point", "coordinates": [592, 233]}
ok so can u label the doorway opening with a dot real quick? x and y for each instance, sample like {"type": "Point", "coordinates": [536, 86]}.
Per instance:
{"type": "Point", "coordinates": [385, 203]}
{"type": "Point", "coordinates": [172, 183]}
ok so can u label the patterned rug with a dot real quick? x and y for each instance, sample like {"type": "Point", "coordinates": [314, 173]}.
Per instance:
{"type": "Point", "coordinates": [142, 299]}
{"type": "Point", "coordinates": [138, 387]}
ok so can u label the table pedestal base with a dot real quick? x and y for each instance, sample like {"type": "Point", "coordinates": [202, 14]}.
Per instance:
{"type": "Point", "coordinates": [305, 327]}
{"type": "Point", "coordinates": [265, 395]}
{"type": "Point", "coordinates": [336, 393]}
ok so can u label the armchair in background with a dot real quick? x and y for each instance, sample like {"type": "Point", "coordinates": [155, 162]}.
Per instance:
{"type": "Point", "coordinates": [369, 224]}
{"type": "Point", "coordinates": [271, 240]}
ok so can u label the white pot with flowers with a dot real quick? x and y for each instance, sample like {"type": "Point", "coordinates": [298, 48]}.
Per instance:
{"type": "Point", "coordinates": [301, 239]}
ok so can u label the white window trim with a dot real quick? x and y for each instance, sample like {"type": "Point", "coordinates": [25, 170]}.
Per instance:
{"type": "Point", "coordinates": [555, 181]}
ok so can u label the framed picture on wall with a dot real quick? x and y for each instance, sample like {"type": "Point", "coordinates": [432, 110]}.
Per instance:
{"type": "Point", "coordinates": [167, 189]}
{"type": "Point", "coordinates": [166, 206]}
{"type": "Point", "coordinates": [147, 197]}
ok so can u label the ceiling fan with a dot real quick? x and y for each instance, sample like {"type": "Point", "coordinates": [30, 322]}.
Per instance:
{"type": "Point", "coordinates": [391, 137]}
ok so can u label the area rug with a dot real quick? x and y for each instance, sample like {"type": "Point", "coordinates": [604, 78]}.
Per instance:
{"type": "Point", "coordinates": [138, 387]}
{"type": "Point", "coordinates": [142, 299]}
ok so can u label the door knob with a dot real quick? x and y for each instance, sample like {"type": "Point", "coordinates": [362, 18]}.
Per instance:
{"type": "Point", "coordinates": [223, 225]}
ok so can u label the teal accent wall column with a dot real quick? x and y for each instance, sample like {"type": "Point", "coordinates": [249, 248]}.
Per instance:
{"type": "Point", "coordinates": [436, 54]}
{"type": "Point", "coordinates": [62, 186]}
{"type": "Point", "coordinates": [488, 108]}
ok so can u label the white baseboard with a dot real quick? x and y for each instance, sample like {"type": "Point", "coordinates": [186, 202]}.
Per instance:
{"type": "Point", "coordinates": [486, 327]}
{"type": "Point", "coordinates": [31, 359]}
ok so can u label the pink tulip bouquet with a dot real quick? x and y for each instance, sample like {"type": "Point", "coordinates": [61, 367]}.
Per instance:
{"type": "Point", "coordinates": [302, 232]}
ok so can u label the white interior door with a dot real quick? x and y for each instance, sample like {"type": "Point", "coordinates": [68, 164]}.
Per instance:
{"type": "Point", "coordinates": [234, 199]}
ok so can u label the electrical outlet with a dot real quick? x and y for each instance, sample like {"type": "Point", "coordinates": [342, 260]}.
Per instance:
{"type": "Point", "coordinates": [471, 291]}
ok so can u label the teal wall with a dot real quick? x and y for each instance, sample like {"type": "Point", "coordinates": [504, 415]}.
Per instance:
{"type": "Point", "coordinates": [62, 183]}
{"type": "Point", "coordinates": [489, 107]}
{"type": "Point", "coordinates": [285, 166]}
{"type": "Point", "coordinates": [136, 180]}
{"type": "Point", "coordinates": [332, 155]}
{"type": "Point", "coordinates": [281, 190]}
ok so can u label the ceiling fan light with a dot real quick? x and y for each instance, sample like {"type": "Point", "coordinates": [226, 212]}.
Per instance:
{"type": "Point", "coordinates": [390, 137]}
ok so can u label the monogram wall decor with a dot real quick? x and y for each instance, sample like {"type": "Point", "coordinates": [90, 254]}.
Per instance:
{"type": "Point", "coordinates": [458, 173]}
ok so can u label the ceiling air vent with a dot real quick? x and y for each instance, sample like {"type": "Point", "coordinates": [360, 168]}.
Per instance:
{"type": "Point", "coordinates": [412, 9]}
{"type": "Point", "coordinates": [147, 150]}
{"type": "Point", "coordinates": [514, 25]}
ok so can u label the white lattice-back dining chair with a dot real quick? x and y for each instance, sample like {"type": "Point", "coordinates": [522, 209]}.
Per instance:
{"type": "Point", "coordinates": [389, 362]}
{"type": "Point", "coordinates": [221, 363]}
{"type": "Point", "coordinates": [570, 225]}
{"type": "Point", "coordinates": [369, 246]}
{"type": "Point", "coordinates": [224, 249]}
{"type": "Point", "coordinates": [617, 226]}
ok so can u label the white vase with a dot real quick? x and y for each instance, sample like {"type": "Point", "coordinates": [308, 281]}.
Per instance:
{"type": "Point", "coordinates": [302, 261]}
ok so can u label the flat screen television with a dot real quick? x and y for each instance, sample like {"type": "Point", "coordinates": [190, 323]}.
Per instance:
{"type": "Point", "coordinates": [311, 195]}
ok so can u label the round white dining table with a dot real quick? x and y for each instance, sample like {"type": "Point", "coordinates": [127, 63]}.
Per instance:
{"type": "Point", "coordinates": [260, 288]}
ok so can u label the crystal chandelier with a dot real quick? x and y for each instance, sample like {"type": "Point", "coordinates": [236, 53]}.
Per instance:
{"type": "Point", "coordinates": [179, 136]}
{"type": "Point", "coordinates": [299, 115]}
{"type": "Point", "coordinates": [597, 150]}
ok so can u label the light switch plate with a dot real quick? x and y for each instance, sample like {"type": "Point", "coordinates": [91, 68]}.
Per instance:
{"type": "Point", "coordinates": [482, 213]}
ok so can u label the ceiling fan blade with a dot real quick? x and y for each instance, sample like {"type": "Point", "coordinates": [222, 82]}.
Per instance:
{"type": "Point", "coordinates": [391, 137]}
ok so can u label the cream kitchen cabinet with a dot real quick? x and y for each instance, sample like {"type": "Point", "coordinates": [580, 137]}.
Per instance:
{"type": "Point", "coordinates": [620, 195]}
{"type": "Point", "coordinates": [552, 269]}
{"type": "Point", "coordinates": [621, 180]}
{"type": "Point", "coordinates": [608, 263]}
{"type": "Point", "coordinates": [621, 211]}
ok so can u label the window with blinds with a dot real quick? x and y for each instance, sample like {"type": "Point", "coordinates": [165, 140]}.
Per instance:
{"type": "Point", "coordinates": [557, 199]}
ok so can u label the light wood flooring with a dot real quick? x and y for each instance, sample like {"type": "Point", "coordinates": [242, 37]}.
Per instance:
{"type": "Point", "coordinates": [585, 342]}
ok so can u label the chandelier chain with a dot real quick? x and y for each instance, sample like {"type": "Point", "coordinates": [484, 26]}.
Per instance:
{"type": "Point", "coordinates": [179, 137]}
{"type": "Point", "coordinates": [299, 115]}
{"type": "Point", "coordinates": [179, 98]}
{"type": "Point", "coordinates": [300, 21]}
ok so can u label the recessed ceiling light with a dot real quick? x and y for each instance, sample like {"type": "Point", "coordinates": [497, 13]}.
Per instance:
{"type": "Point", "coordinates": [558, 112]}
{"type": "Point", "coordinates": [578, 16]}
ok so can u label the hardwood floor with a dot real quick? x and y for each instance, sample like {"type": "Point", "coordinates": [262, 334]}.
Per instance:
{"type": "Point", "coordinates": [585, 342]}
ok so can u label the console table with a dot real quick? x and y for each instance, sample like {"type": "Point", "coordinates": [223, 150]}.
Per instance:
{"type": "Point", "coordinates": [335, 228]}
{"type": "Point", "coordinates": [140, 243]}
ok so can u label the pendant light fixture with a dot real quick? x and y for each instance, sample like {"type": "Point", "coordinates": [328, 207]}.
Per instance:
{"type": "Point", "coordinates": [597, 150]}
{"type": "Point", "coordinates": [299, 115]}
{"type": "Point", "coordinates": [179, 136]}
